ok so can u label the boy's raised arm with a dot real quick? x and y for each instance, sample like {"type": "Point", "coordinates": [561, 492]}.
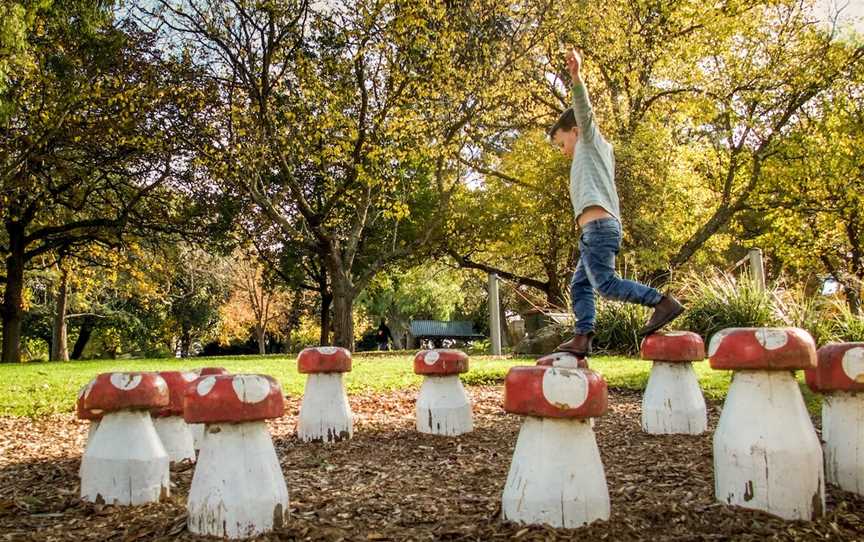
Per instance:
{"type": "Point", "coordinates": [581, 103]}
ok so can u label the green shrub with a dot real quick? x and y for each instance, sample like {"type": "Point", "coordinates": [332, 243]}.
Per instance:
{"type": "Point", "coordinates": [618, 325]}
{"type": "Point", "coordinates": [796, 308]}
{"type": "Point", "coordinates": [846, 326]}
{"type": "Point", "coordinates": [719, 300]}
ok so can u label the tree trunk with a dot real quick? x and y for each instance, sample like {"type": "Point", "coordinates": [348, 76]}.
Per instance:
{"type": "Point", "coordinates": [185, 342]}
{"type": "Point", "coordinates": [13, 297]}
{"type": "Point", "coordinates": [84, 334]}
{"type": "Point", "coordinates": [326, 303]}
{"type": "Point", "coordinates": [343, 320]}
{"type": "Point", "coordinates": [260, 336]}
{"type": "Point", "coordinates": [59, 344]}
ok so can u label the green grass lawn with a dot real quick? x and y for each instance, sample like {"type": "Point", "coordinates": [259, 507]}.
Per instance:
{"type": "Point", "coordinates": [38, 389]}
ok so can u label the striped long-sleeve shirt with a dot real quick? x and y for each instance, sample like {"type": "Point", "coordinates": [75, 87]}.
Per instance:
{"type": "Point", "coordinates": [592, 172]}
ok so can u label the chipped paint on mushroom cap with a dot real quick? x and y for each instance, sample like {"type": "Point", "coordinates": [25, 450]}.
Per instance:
{"type": "Point", "coordinates": [785, 348]}
{"type": "Point", "coordinates": [324, 359]}
{"type": "Point", "coordinates": [681, 346]}
{"type": "Point", "coordinates": [82, 412]}
{"type": "Point", "coordinates": [555, 392]}
{"type": "Point", "coordinates": [111, 392]}
{"type": "Point", "coordinates": [233, 399]}
{"type": "Point", "coordinates": [177, 382]}
{"type": "Point", "coordinates": [441, 361]}
{"type": "Point", "coordinates": [563, 359]}
{"type": "Point", "coordinates": [840, 368]}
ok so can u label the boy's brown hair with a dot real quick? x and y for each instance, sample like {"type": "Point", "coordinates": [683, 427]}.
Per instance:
{"type": "Point", "coordinates": [567, 121]}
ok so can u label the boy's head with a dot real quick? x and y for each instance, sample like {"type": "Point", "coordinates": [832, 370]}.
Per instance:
{"type": "Point", "coordinates": [564, 133]}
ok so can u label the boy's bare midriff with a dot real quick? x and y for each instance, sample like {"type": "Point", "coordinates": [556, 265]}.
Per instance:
{"type": "Point", "coordinates": [590, 214]}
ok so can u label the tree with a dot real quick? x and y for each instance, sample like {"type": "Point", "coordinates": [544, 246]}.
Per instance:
{"type": "Point", "coordinates": [92, 136]}
{"type": "Point", "coordinates": [519, 223]}
{"type": "Point", "coordinates": [810, 218]}
{"type": "Point", "coordinates": [344, 123]}
{"type": "Point", "coordinates": [697, 101]}
{"type": "Point", "coordinates": [256, 301]}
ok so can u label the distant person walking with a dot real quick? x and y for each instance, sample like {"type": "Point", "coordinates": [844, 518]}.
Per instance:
{"type": "Point", "coordinates": [383, 336]}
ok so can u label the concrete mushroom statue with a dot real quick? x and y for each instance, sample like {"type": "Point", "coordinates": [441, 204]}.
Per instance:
{"type": "Point", "coordinates": [443, 406]}
{"type": "Point", "coordinates": [170, 426]}
{"type": "Point", "coordinates": [673, 402]}
{"type": "Point", "coordinates": [840, 378]}
{"type": "Point", "coordinates": [556, 476]}
{"type": "Point", "coordinates": [325, 415]}
{"type": "Point", "coordinates": [238, 489]}
{"type": "Point", "coordinates": [125, 462]}
{"type": "Point", "coordinates": [766, 453]}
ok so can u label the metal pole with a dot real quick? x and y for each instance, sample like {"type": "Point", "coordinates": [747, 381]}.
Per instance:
{"type": "Point", "coordinates": [494, 315]}
{"type": "Point", "coordinates": [757, 267]}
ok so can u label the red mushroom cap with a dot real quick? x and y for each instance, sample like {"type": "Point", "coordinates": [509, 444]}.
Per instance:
{"type": "Point", "coordinates": [207, 371]}
{"type": "Point", "coordinates": [840, 368]}
{"type": "Point", "coordinates": [177, 382]}
{"type": "Point", "coordinates": [563, 359]}
{"type": "Point", "coordinates": [440, 362]}
{"type": "Point", "coordinates": [555, 392]}
{"type": "Point", "coordinates": [681, 346]}
{"type": "Point", "coordinates": [111, 392]}
{"type": "Point", "coordinates": [324, 359]}
{"type": "Point", "coordinates": [762, 348]}
{"type": "Point", "coordinates": [233, 398]}
{"type": "Point", "coordinates": [82, 412]}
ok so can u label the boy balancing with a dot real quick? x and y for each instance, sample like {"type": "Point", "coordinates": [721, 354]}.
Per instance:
{"type": "Point", "coordinates": [595, 202]}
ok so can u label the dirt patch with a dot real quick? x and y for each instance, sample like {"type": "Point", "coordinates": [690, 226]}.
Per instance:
{"type": "Point", "coordinates": [391, 483]}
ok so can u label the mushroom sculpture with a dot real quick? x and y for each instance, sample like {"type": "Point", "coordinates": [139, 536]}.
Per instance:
{"type": "Point", "coordinates": [170, 426]}
{"type": "Point", "coordinates": [325, 415]}
{"type": "Point", "coordinates": [197, 429]}
{"type": "Point", "coordinates": [556, 476]}
{"type": "Point", "coordinates": [238, 489]}
{"type": "Point", "coordinates": [673, 401]}
{"type": "Point", "coordinates": [840, 377]}
{"type": "Point", "coordinates": [443, 406]}
{"type": "Point", "coordinates": [125, 462]}
{"type": "Point", "coordinates": [766, 453]}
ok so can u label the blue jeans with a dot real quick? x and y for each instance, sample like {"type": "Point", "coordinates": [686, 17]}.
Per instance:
{"type": "Point", "coordinates": [599, 243]}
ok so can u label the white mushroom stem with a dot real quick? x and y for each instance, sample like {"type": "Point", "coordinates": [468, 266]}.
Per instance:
{"type": "Point", "coordinates": [325, 415]}
{"type": "Point", "coordinates": [843, 435]}
{"type": "Point", "coordinates": [443, 406]}
{"type": "Point", "coordinates": [125, 462]}
{"type": "Point", "coordinates": [91, 430]}
{"type": "Point", "coordinates": [176, 437]}
{"type": "Point", "coordinates": [673, 402]}
{"type": "Point", "coordinates": [556, 477]}
{"type": "Point", "coordinates": [238, 489]}
{"type": "Point", "coordinates": [766, 453]}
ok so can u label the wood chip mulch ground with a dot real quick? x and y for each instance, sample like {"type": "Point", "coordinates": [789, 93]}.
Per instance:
{"type": "Point", "coordinates": [391, 483]}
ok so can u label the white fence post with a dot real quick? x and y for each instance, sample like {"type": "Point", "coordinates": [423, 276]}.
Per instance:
{"type": "Point", "coordinates": [494, 315]}
{"type": "Point", "coordinates": [757, 267]}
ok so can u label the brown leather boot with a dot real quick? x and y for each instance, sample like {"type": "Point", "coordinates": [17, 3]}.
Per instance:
{"type": "Point", "coordinates": [664, 312]}
{"type": "Point", "coordinates": [579, 345]}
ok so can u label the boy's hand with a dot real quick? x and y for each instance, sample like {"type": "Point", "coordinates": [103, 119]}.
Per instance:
{"type": "Point", "coordinates": [574, 63]}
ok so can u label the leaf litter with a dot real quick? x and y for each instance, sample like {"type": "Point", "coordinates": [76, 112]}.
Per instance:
{"type": "Point", "coordinates": [391, 483]}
